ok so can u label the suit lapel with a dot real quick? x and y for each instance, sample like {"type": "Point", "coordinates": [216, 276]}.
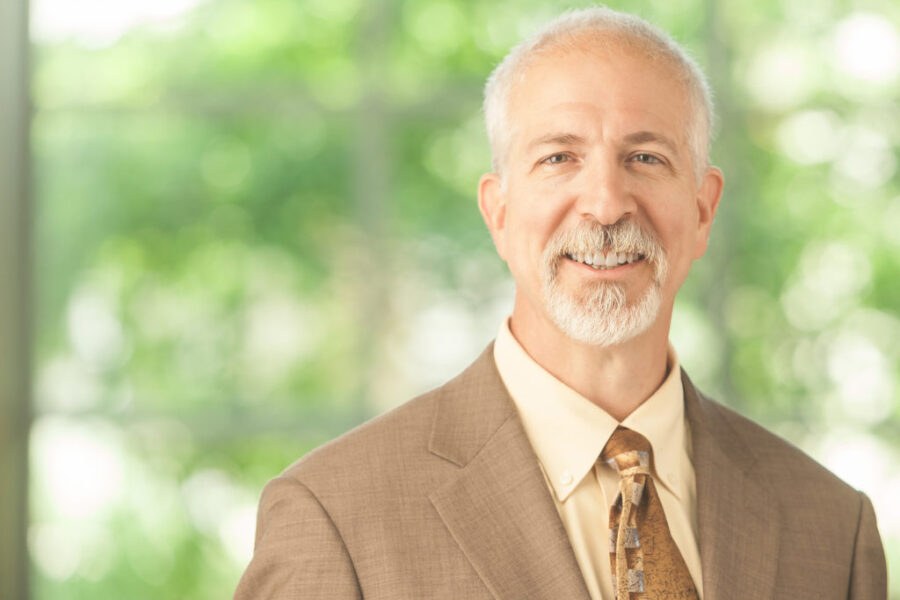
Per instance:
{"type": "Point", "coordinates": [738, 516]}
{"type": "Point", "coordinates": [498, 509]}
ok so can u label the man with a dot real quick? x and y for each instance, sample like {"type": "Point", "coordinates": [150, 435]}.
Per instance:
{"type": "Point", "coordinates": [574, 459]}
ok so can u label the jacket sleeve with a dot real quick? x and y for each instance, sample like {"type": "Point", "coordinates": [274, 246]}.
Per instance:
{"type": "Point", "coordinates": [299, 552]}
{"type": "Point", "coordinates": [868, 577]}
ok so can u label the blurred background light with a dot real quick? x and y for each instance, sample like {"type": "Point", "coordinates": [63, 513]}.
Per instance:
{"type": "Point", "coordinates": [783, 73]}
{"type": "Point", "coordinates": [81, 466]}
{"type": "Point", "coordinates": [829, 277]}
{"type": "Point", "coordinates": [811, 136]}
{"type": "Point", "coordinates": [867, 158]}
{"type": "Point", "coordinates": [100, 23]}
{"type": "Point", "coordinates": [867, 46]}
{"type": "Point", "coordinates": [862, 376]}
{"type": "Point", "coordinates": [95, 331]}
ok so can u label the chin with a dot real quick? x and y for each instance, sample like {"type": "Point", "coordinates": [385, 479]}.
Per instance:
{"type": "Point", "coordinates": [602, 316]}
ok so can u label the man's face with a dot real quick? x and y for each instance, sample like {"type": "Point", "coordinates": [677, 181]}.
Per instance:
{"type": "Point", "coordinates": [599, 163]}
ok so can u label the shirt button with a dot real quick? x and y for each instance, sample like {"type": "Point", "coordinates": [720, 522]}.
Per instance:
{"type": "Point", "coordinates": [565, 478]}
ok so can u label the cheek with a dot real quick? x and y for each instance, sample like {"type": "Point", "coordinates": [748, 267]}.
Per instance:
{"type": "Point", "coordinates": [534, 220]}
{"type": "Point", "coordinates": [676, 227]}
{"type": "Point", "coordinates": [531, 223]}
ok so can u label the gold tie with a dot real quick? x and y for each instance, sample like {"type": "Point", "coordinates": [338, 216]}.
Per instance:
{"type": "Point", "coordinates": [645, 561]}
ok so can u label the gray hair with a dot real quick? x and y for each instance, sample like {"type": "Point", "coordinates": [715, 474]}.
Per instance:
{"type": "Point", "coordinates": [568, 30]}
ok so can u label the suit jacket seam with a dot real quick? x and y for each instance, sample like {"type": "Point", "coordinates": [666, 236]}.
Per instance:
{"type": "Point", "coordinates": [487, 440]}
{"type": "Point", "coordinates": [337, 530]}
{"type": "Point", "coordinates": [725, 416]}
{"type": "Point", "coordinates": [470, 456]}
{"type": "Point", "coordinates": [859, 516]}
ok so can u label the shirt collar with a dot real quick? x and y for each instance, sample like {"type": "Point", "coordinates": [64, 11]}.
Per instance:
{"type": "Point", "coordinates": [568, 432]}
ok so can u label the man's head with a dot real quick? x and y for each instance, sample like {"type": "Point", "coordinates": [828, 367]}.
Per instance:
{"type": "Point", "coordinates": [601, 197]}
{"type": "Point", "coordinates": [601, 26]}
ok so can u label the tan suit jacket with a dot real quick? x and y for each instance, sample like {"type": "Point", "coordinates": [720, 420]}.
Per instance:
{"type": "Point", "coordinates": [443, 498]}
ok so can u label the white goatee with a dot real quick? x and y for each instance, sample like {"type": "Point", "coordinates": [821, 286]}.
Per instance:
{"type": "Point", "coordinates": [599, 313]}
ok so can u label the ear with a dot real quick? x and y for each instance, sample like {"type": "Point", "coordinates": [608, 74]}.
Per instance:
{"type": "Point", "coordinates": [492, 204]}
{"type": "Point", "coordinates": [708, 195]}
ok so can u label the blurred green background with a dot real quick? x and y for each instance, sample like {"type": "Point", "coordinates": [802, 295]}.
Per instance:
{"type": "Point", "coordinates": [256, 227]}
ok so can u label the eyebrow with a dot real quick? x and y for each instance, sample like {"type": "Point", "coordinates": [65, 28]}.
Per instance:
{"type": "Point", "coordinates": [642, 137]}
{"type": "Point", "coordinates": [638, 137]}
{"type": "Point", "coordinates": [566, 139]}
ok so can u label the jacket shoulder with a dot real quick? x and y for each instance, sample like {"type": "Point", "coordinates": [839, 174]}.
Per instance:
{"type": "Point", "coordinates": [409, 443]}
{"type": "Point", "coordinates": [782, 461]}
{"type": "Point", "coordinates": [371, 447]}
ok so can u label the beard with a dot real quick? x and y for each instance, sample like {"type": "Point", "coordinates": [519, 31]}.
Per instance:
{"type": "Point", "coordinates": [599, 312]}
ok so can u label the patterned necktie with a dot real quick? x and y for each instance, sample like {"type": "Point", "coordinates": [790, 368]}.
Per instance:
{"type": "Point", "coordinates": [645, 561]}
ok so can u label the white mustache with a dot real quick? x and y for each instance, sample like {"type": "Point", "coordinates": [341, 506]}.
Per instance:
{"type": "Point", "coordinates": [591, 237]}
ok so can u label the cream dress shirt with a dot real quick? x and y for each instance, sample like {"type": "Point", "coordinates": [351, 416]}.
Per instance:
{"type": "Point", "coordinates": [568, 432]}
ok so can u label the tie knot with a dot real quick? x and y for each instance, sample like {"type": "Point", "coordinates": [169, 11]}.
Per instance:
{"type": "Point", "coordinates": [627, 449]}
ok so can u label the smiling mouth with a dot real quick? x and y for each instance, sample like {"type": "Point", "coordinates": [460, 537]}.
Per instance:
{"type": "Point", "coordinates": [600, 261]}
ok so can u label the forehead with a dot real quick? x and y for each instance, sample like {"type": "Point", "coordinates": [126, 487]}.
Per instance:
{"type": "Point", "coordinates": [610, 89]}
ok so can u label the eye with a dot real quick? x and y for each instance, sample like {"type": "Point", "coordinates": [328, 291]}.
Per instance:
{"type": "Point", "coordinates": [647, 159]}
{"type": "Point", "coordinates": [557, 159]}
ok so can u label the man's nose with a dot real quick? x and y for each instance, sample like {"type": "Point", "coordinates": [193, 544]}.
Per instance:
{"type": "Point", "coordinates": [605, 195]}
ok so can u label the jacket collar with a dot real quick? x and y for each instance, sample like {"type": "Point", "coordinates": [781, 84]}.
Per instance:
{"type": "Point", "coordinates": [737, 513]}
{"type": "Point", "coordinates": [498, 507]}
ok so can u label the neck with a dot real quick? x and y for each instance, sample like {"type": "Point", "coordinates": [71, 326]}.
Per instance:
{"type": "Point", "coordinates": [616, 378]}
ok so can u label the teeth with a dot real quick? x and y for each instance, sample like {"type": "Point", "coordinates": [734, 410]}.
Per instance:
{"type": "Point", "coordinates": [600, 261]}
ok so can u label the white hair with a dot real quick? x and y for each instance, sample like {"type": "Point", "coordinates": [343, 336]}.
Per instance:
{"type": "Point", "coordinates": [605, 25]}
